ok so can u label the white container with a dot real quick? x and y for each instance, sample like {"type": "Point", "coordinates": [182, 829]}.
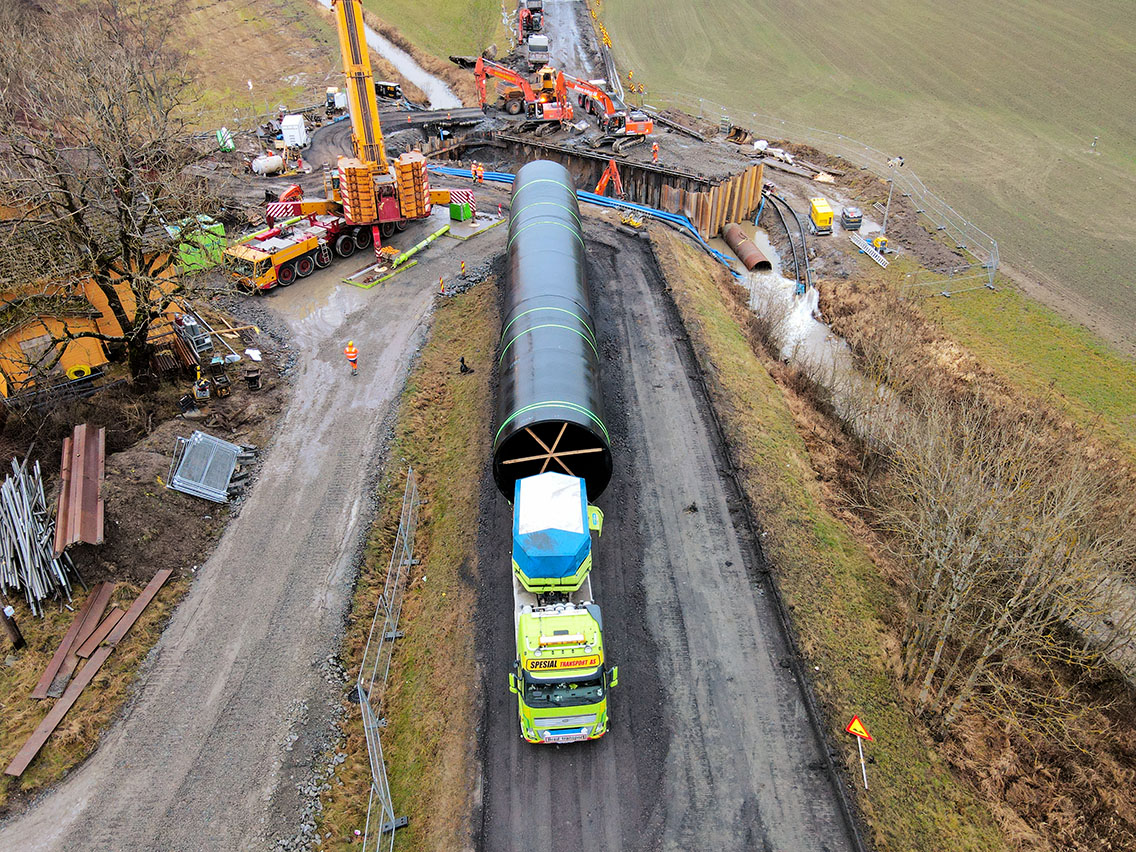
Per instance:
{"type": "Point", "coordinates": [341, 100]}
{"type": "Point", "coordinates": [268, 164]}
{"type": "Point", "coordinates": [295, 132]}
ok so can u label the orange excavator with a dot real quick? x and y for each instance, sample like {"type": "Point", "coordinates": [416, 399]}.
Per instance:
{"type": "Point", "coordinates": [610, 175]}
{"type": "Point", "coordinates": [621, 127]}
{"type": "Point", "coordinates": [548, 103]}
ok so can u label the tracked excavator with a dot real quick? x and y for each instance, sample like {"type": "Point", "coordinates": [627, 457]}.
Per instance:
{"type": "Point", "coordinates": [619, 127]}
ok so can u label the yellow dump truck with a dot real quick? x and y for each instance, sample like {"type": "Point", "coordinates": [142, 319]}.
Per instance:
{"type": "Point", "coordinates": [820, 216]}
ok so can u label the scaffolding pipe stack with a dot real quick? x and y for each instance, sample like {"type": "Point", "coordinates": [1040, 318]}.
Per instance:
{"type": "Point", "coordinates": [28, 564]}
{"type": "Point", "coordinates": [549, 406]}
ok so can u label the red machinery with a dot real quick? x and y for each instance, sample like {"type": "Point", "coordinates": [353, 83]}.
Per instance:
{"type": "Point", "coordinates": [610, 175]}
{"type": "Point", "coordinates": [624, 127]}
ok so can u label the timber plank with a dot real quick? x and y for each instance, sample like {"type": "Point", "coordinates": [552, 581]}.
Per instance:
{"type": "Point", "coordinates": [49, 673]}
{"type": "Point", "coordinates": [39, 736]}
{"type": "Point", "coordinates": [101, 597]}
{"type": "Point", "coordinates": [101, 632]}
{"type": "Point", "coordinates": [140, 603]}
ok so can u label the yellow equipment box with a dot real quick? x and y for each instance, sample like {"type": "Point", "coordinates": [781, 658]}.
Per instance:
{"type": "Point", "coordinates": [820, 214]}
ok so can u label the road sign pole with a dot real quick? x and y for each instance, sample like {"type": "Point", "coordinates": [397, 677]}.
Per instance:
{"type": "Point", "coordinates": [863, 767]}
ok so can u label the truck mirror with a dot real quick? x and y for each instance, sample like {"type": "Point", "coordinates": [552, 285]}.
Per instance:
{"type": "Point", "coordinates": [613, 677]}
{"type": "Point", "coordinates": [595, 519]}
{"type": "Point", "coordinates": [513, 684]}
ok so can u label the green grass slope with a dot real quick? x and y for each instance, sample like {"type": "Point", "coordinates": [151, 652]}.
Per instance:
{"type": "Point", "coordinates": [995, 105]}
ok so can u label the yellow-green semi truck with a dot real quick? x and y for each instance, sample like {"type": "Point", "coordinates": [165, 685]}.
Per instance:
{"type": "Point", "coordinates": [559, 674]}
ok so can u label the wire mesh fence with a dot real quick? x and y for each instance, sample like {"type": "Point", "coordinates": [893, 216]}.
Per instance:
{"type": "Point", "coordinates": [963, 234]}
{"type": "Point", "coordinates": [375, 668]}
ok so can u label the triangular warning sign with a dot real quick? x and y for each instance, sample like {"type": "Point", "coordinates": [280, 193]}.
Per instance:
{"type": "Point", "coordinates": [856, 728]}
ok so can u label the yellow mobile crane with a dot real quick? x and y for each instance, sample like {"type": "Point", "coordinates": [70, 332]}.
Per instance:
{"type": "Point", "coordinates": [371, 190]}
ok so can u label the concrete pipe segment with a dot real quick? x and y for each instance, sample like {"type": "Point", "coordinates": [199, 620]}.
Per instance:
{"type": "Point", "coordinates": [549, 407]}
{"type": "Point", "coordinates": [747, 252]}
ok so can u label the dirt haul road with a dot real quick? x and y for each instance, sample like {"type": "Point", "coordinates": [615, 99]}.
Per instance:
{"type": "Point", "coordinates": [710, 746]}
{"type": "Point", "coordinates": [238, 699]}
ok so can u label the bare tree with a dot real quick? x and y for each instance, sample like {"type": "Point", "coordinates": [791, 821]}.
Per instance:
{"type": "Point", "coordinates": [1013, 539]}
{"type": "Point", "coordinates": [93, 109]}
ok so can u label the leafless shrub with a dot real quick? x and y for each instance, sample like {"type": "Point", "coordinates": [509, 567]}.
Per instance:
{"type": "Point", "coordinates": [1011, 538]}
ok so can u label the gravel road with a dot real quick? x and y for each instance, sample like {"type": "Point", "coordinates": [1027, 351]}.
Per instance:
{"type": "Point", "coordinates": [710, 745]}
{"type": "Point", "coordinates": [219, 748]}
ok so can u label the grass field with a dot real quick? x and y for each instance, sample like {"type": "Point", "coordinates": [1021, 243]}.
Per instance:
{"type": "Point", "coordinates": [994, 105]}
{"type": "Point", "coordinates": [286, 48]}
{"type": "Point", "coordinates": [1047, 356]}
{"type": "Point", "coordinates": [442, 27]}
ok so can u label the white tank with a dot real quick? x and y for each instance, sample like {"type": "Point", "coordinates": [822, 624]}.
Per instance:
{"type": "Point", "coordinates": [268, 164]}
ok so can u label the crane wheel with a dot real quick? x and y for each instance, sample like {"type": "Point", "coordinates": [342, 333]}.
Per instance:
{"type": "Point", "coordinates": [285, 274]}
{"type": "Point", "coordinates": [305, 265]}
{"type": "Point", "coordinates": [363, 238]}
{"type": "Point", "coordinates": [344, 245]}
{"type": "Point", "coordinates": [322, 257]}
{"type": "Point", "coordinates": [401, 225]}
{"type": "Point", "coordinates": [79, 371]}
{"type": "Point", "coordinates": [387, 230]}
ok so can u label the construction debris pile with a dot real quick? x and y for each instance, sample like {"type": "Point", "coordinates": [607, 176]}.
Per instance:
{"type": "Point", "coordinates": [28, 564]}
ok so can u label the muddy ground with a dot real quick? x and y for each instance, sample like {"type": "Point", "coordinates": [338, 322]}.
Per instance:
{"type": "Point", "coordinates": [710, 746]}
{"type": "Point", "coordinates": [242, 692]}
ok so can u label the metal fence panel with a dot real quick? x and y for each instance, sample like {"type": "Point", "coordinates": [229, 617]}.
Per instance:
{"type": "Point", "coordinates": [375, 668]}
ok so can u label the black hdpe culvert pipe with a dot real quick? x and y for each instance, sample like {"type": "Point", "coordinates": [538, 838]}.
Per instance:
{"type": "Point", "coordinates": [549, 411]}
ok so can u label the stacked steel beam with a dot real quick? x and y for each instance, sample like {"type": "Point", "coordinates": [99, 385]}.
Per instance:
{"type": "Point", "coordinates": [28, 564]}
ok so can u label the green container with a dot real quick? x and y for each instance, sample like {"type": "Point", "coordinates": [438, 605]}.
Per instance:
{"type": "Point", "coordinates": [460, 212]}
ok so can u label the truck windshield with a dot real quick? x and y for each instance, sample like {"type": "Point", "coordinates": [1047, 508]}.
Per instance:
{"type": "Point", "coordinates": [564, 694]}
{"type": "Point", "coordinates": [238, 265]}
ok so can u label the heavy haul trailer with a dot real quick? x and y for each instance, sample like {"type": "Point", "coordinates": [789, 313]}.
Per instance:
{"type": "Point", "coordinates": [558, 675]}
{"type": "Point", "coordinates": [551, 454]}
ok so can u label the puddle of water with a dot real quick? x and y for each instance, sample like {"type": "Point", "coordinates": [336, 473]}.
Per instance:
{"type": "Point", "coordinates": [437, 92]}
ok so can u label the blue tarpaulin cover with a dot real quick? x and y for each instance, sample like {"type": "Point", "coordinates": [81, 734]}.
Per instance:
{"type": "Point", "coordinates": [550, 525]}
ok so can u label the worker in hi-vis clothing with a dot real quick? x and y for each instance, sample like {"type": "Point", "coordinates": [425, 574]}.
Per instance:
{"type": "Point", "coordinates": [352, 356]}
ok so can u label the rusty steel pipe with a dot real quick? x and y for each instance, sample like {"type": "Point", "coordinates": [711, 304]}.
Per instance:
{"type": "Point", "coordinates": [743, 247]}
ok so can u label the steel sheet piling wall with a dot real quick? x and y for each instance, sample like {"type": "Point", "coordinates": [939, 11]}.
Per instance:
{"type": "Point", "coordinates": [549, 409]}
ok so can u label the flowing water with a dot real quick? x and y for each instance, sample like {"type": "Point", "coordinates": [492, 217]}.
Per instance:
{"type": "Point", "coordinates": [439, 94]}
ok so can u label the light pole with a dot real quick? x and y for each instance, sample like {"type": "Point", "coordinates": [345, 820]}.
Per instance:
{"type": "Point", "coordinates": [891, 186]}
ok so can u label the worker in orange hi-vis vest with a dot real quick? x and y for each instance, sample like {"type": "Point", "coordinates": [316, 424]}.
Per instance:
{"type": "Point", "coordinates": [654, 152]}
{"type": "Point", "coordinates": [352, 356]}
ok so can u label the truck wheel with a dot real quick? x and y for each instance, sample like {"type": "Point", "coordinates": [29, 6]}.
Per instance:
{"type": "Point", "coordinates": [305, 265]}
{"type": "Point", "coordinates": [323, 257]}
{"type": "Point", "coordinates": [401, 225]}
{"type": "Point", "coordinates": [285, 274]}
{"type": "Point", "coordinates": [363, 238]}
{"type": "Point", "coordinates": [387, 230]}
{"type": "Point", "coordinates": [514, 106]}
{"type": "Point", "coordinates": [344, 245]}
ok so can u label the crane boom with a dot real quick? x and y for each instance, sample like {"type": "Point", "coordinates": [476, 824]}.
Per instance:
{"type": "Point", "coordinates": [366, 131]}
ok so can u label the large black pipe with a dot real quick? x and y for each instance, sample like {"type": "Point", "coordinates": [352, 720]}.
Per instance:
{"type": "Point", "coordinates": [549, 410]}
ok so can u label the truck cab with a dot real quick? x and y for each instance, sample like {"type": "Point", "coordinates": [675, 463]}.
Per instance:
{"type": "Point", "coordinates": [536, 49]}
{"type": "Point", "coordinates": [558, 675]}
